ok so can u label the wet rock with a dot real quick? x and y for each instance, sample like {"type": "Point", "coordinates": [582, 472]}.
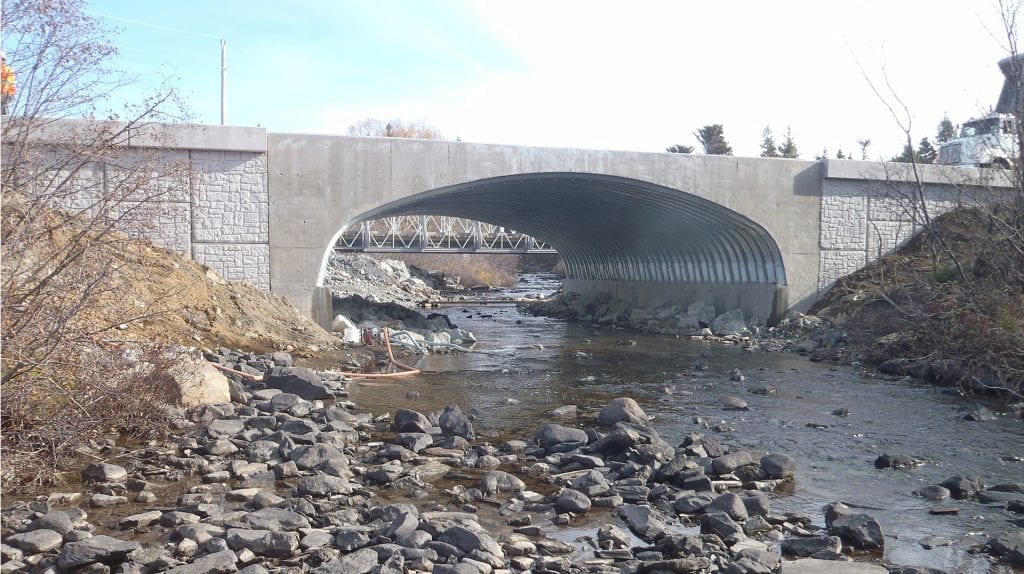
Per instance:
{"type": "Point", "coordinates": [564, 411]}
{"type": "Point", "coordinates": [1008, 545]}
{"type": "Point", "coordinates": [623, 409]}
{"type": "Point", "coordinates": [610, 537]}
{"type": "Point", "coordinates": [104, 472]}
{"type": "Point", "coordinates": [416, 442]}
{"type": "Point", "coordinates": [274, 519]}
{"type": "Point", "coordinates": [142, 519]}
{"type": "Point", "coordinates": [962, 487]}
{"type": "Point", "coordinates": [734, 404]}
{"type": "Point", "coordinates": [719, 524]}
{"type": "Point", "coordinates": [859, 530]}
{"type": "Point", "coordinates": [500, 481]}
{"type": "Point", "coordinates": [468, 541]}
{"type": "Point", "coordinates": [778, 465]}
{"type": "Point", "coordinates": [727, 463]}
{"type": "Point", "coordinates": [816, 566]}
{"type": "Point", "coordinates": [263, 542]}
{"type": "Point", "coordinates": [56, 520]}
{"type": "Point", "coordinates": [678, 565]}
{"type": "Point", "coordinates": [36, 541]}
{"type": "Point", "coordinates": [100, 548]}
{"type": "Point", "coordinates": [551, 435]}
{"type": "Point", "coordinates": [299, 381]}
{"type": "Point", "coordinates": [221, 562]}
{"type": "Point", "coordinates": [802, 547]}
{"type": "Point", "coordinates": [574, 501]}
{"type": "Point", "coordinates": [915, 570]}
{"type": "Point", "coordinates": [643, 521]}
{"type": "Point", "coordinates": [409, 421]}
{"type": "Point", "coordinates": [359, 562]}
{"type": "Point", "coordinates": [454, 423]}
{"type": "Point", "coordinates": [896, 461]}
{"type": "Point", "coordinates": [729, 503]}
{"type": "Point", "coordinates": [979, 413]}
{"type": "Point", "coordinates": [933, 492]}
{"type": "Point", "coordinates": [322, 485]}
{"type": "Point", "coordinates": [308, 457]}
{"type": "Point", "coordinates": [616, 442]}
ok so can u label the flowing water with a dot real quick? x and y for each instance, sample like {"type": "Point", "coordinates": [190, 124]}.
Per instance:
{"type": "Point", "coordinates": [526, 366]}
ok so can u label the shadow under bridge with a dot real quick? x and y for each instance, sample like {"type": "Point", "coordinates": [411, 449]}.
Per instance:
{"type": "Point", "coordinates": [648, 244]}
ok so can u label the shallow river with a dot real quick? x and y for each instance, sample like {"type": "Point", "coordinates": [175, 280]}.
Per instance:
{"type": "Point", "coordinates": [526, 366]}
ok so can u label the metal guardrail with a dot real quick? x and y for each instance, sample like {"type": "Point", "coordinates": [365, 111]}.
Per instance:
{"type": "Point", "coordinates": [436, 234]}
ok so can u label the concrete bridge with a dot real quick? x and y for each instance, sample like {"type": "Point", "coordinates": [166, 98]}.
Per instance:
{"type": "Point", "coordinates": [764, 235]}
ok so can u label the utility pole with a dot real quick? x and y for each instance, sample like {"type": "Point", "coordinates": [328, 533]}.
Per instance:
{"type": "Point", "coordinates": [223, 79]}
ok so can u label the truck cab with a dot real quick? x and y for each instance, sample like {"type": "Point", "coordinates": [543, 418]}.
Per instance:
{"type": "Point", "coordinates": [989, 141]}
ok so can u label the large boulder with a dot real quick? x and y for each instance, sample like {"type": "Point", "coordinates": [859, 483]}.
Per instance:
{"type": "Point", "coordinates": [623, 409]}
{"type": "Point", "coordinates": [299, 381]}
{"type": "Point", "coordinates": [200, 383]}
{"type": "Point", "coordinates": [454, 423]}
{"type": "Point", "coordinates": [552, 435]}
{"type": "Point", "coordinates": [99, 548]}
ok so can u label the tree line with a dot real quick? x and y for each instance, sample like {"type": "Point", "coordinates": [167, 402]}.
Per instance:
{"type": "Point", "coordinates": [711, 138]}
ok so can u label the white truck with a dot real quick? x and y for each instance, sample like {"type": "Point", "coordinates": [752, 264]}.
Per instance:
{"type": "Point", "coordinates": [992, 140]}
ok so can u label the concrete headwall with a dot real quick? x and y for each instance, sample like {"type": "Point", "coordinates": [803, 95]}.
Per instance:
{"type": "Point", "coordinates": [266, 208]}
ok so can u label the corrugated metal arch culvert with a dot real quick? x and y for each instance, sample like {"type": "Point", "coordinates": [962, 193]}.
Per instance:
{"type": "Point", "coordinates": [611, 227]}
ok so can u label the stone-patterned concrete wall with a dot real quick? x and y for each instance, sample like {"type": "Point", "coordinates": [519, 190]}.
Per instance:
{"type": "Point", "coordinates": [862, 220]}
{"type": "Point", "coordinates": [230, 220]}
{"type": "Point", "coordinates": [199, 190]}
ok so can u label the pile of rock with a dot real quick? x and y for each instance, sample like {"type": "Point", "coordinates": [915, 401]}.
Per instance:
{"type": "Point", "coordinates": [433, 332]}
{"type": "Point", "coordinates": [289, 478]}
{"type": "Point", "coordinates": [697, 319]}
{"type": "Point", "coordinates": [378, 280]}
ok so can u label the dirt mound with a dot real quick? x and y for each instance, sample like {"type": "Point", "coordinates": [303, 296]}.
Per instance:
{"type": "Point", "coordinates": [947, 306]}
{"type": "Point", "coordinates": [177, 301]}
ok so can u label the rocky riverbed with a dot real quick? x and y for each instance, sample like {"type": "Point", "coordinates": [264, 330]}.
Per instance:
{"type": "Point", "coordinates": [289, 476]}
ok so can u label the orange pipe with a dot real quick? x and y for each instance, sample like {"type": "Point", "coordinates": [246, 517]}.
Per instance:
{"type": "Point", "coordinates": [391, 359]}
{"type": "Point", "coordinates": [239, 373]}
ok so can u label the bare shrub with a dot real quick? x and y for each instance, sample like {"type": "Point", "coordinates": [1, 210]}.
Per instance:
{"type": "Point", "coordinates": [69, 190]}
{"type": "Point", "coordinates": [93, 391]}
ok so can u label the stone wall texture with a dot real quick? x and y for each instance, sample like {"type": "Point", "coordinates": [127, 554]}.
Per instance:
{"type": "Point", "coordinates": [212, 206]}
{"type": "Point", "coordinates": [862, 220]}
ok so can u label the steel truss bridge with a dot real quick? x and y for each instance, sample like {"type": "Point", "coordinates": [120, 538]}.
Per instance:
{"type": "Point", "coordinates": [436, 234]}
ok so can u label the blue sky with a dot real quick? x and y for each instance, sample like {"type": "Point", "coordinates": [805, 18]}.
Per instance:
{"type": "Point", "coordinates": [641, 75]}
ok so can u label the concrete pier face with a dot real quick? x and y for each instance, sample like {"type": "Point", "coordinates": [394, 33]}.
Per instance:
{"type": "Point", "coordinates": [762, 235]}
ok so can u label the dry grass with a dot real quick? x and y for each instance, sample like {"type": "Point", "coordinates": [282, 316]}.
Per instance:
{"type": "Point", "coordinates": [471, 269]}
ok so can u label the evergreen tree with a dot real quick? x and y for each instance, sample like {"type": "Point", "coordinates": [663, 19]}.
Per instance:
{"type": "Point", "coordinates": [678, 148]}
{"type": "Point", "coordinates": [946, 131]}
{"type": "Point", "coordinates": [841, 155]}
{"type": "Point", "coordinates": [824, 154]}
{"type": "Point", "coordinates": [768, 147]}
{"type": "Point", "coordinates": [926, 153]}
{"type": "Point", "coordinates": [788, 147]}
{"type": "Point", "coordinates": [908, 155]}
{"type": "Point", "coordinates": [864, 144]}
{"type": "Point", "coordinates": [712, 139]}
